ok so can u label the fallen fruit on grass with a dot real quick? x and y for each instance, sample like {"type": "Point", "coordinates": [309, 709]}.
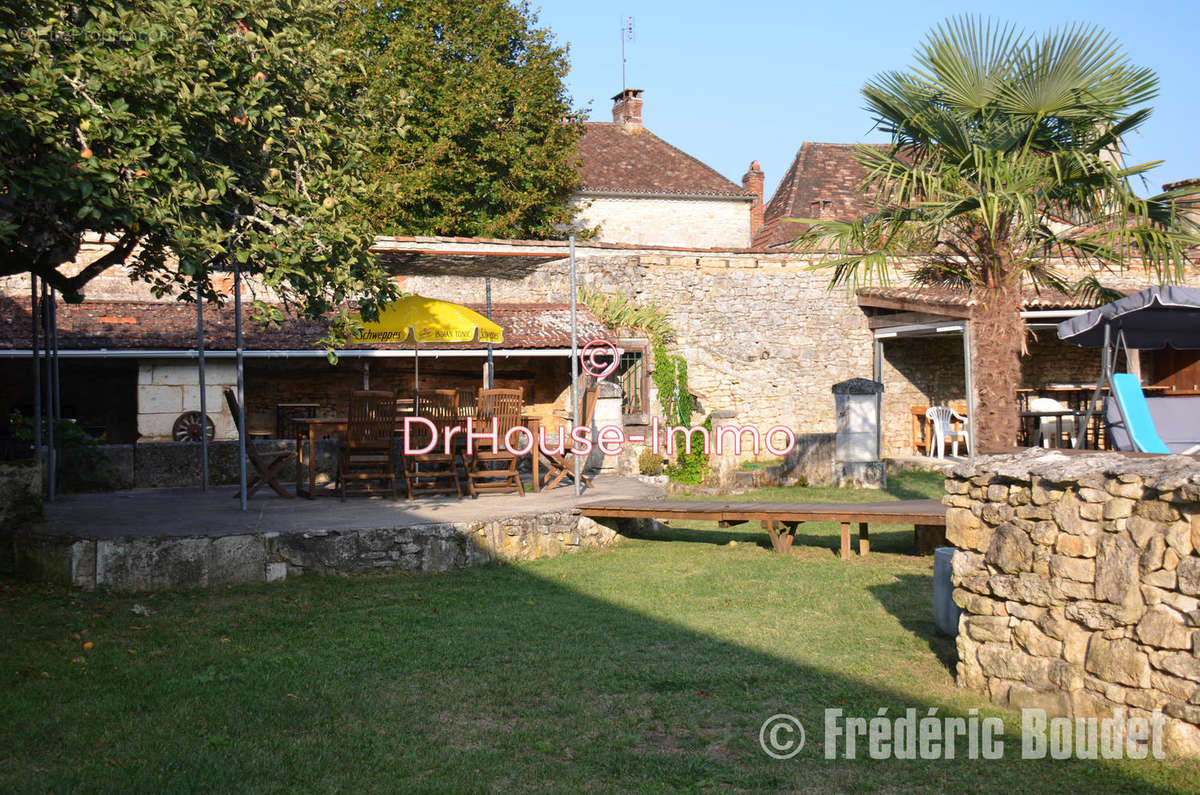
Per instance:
{"type": "Point", "coordinates": [88, 646]}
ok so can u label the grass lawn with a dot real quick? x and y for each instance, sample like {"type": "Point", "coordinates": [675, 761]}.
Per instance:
{"type": "Point", "coordinates": [649, 666]}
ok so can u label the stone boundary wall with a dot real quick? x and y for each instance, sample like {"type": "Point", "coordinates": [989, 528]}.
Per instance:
{"type": "Point", "coordinates": [181, 562]}
{"type": "Point", "coordinates": [1080, 580]}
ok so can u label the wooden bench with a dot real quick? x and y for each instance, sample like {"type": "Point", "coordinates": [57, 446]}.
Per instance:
{"type": "Point", "coordinates": [780, 519]}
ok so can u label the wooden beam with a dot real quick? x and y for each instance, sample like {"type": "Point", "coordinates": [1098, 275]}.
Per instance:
{"type": "Point", "coordinates": [913, 305]}
{"type": "Point", "coordinates": [903, 319]}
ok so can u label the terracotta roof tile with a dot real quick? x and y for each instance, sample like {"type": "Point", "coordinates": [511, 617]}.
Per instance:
{"type": "Point", "coordinates": [171, 325]}
{"type": "Point", "coordinates": [948, 297]}
{"type": "Point", "coordinates": [631, 159]}
{"type": "Point", "coordinates": [820, 183]}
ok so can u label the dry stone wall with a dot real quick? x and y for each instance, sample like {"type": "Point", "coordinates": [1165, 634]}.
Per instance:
{"type": "Point", "coordinates": [1080, 580]}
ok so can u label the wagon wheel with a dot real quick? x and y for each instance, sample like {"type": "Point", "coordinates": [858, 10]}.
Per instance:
{"type": "Point", "coordinates": [187, 427]}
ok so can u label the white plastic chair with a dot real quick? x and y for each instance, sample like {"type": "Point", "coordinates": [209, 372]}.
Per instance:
{"type": "Point", "coordinates": [1048, 426]}
{"type": "Point", "coordinates": [943, 418]}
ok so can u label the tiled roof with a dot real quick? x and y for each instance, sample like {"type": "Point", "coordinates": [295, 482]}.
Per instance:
{"type": "Point", "coordinates": [630, 159]}
{"type": "Point", "coordinates": [820, 183]}
{"type": "Point", "coordinates": [171, 325]}
{"type": "Point", "coordinates": [934, 297]}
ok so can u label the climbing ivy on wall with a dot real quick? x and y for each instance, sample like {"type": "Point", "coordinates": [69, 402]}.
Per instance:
{"type": "Point", "coordinates": [670, 374]}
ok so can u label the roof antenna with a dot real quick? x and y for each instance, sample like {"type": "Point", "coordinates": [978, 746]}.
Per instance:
{"type": "Point", "coordinates": [626, 35]}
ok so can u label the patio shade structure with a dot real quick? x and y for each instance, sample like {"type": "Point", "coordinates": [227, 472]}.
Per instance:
{"type": "Point", "coordinates": [508, 260]}
{"type": "Point", "coordinates": [1148, 320]}
{"type": "Point", "coordinates": [415, 319]}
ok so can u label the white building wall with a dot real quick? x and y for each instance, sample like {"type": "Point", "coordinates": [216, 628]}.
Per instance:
{"type": "Point", "coordinates": [690, 223]}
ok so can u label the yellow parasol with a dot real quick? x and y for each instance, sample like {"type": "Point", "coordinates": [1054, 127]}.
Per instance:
{"type": "Point", "coordinates": [415, 319]}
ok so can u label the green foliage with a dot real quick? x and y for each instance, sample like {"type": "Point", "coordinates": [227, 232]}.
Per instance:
{"type": "Point", "coordinates": [670, 379]}
{"type": "Point", "coordinates": [650, 462]}
{"type": "Point", "coordinates": [80, 462]}
{"type": "Point", "coordinates": [190, 133]}
{"type": "Point", "coordinates": [1002, 161]}
{"type": "Point", "coordinates": [690, 468]}
{"type": "Point", "coordinates": [618, 310]}
{"type": "Point", "coordinates": [492, 146]}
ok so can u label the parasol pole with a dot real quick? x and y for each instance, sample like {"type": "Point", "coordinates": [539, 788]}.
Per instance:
{"type": "Point", "coordinates": [491, 378]}
{"type": "Point", "coordinates": [1105, 368]}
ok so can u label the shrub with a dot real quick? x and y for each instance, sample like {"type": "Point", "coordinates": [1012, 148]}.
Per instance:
{"type": "Point", "coordinates": [650, 462]}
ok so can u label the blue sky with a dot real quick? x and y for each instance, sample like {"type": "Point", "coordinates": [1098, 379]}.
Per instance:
{"type": "Point", "coordinates": [730, 82]}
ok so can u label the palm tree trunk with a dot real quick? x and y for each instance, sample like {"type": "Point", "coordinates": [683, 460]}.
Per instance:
{"type": "Point", "coordinates": [996, 342]}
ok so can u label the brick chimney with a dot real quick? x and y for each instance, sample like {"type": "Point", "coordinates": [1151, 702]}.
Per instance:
{"type": "Point", "coordinates": [752, 181]}
{"type": "Point", "coordinates": [627, 108]}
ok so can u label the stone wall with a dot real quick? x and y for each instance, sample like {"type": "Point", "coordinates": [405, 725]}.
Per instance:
{"type": "Point", "coordinates": [699, 222]}
{"type": "Point", "coordinates": [168, 387]}
{"type": "Point", "coordinates": [1080, 578]}
{"type": "Point", "coordinates": [152, 564]}
{"type": "Point", "coordinates": [763, 335]}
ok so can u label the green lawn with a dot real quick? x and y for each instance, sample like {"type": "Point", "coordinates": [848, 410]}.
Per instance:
{"type": "Point", "coordinates": [646, 667]}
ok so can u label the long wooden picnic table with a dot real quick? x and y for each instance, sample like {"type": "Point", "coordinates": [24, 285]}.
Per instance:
{"type": "Point", "coordinates": [780, 519]}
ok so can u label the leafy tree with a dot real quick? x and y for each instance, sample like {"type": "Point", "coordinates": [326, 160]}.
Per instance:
{"type": "Point", "coordinates": [492, 148]}
{"type": "Point", "coordinates": [1004, 170]}
{"type": "Point", "coordinates": [189, 133]}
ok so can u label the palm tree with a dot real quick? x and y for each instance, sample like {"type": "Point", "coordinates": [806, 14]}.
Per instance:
{"type": "Point", "coordinates": [1005, 167]}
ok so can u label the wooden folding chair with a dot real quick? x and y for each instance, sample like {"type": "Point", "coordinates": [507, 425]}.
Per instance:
{"type": "Point", "coordinates": [365, 455]}
{"type": "Point", "coordinates": [434, 471]}
{"type": "Point", "coordinates": [267, 469]}
{"type": "Point", "coordinates": [562, 466]}
{"type": "Point", "coordinates": [505, 405]}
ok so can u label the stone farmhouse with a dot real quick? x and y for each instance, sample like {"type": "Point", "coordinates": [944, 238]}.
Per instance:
{"type": "Point", "coordinates": [638, 189]}
{"type": "Point", "coordinates": [763, 335]}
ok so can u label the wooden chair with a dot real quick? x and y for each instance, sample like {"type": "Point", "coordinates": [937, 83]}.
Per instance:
{"type": "Point", "coordinates": [434, 471]}
{"type": "Point", "coordinates": [505, 406]}
{"type": "Point", "coordinates": [562, 466]}
{"type": "Point", "coordinates": [365, 455]}
{"type": "Point", "coordinates": [267, 469]}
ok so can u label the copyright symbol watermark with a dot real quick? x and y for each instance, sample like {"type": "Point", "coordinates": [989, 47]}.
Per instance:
{"type": "Point", "coordinates": [781, 736]}
{"type": "Point", "coordinates": [599, 358]}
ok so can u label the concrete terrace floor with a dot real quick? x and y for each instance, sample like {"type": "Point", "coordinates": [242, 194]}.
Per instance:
{"type": "Point", "coordinates": [191, 512]}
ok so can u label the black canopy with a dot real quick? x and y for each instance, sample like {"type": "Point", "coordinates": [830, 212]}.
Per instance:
{"type": "Point", "coordinates": [1152, 319]}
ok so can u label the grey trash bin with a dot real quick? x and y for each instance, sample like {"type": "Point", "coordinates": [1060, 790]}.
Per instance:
{"type": "Point", "coordinates": [945, 612]}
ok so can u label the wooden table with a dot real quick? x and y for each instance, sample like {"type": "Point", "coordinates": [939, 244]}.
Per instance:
{"type": "Point", "coordinates": [780, 519]}
{"type": "Point", "coordinates": [309, 430]}
{"type": "Point", "coordinates": [1074, 396]}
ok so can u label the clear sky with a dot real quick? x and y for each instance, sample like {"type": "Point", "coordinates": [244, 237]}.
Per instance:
{"type": "Point", "coordinates": [730, 81]}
